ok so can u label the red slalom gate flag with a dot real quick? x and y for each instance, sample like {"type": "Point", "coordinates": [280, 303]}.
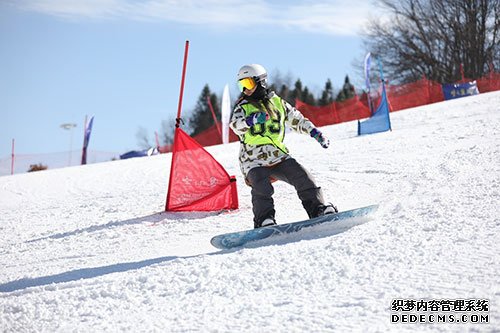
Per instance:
{"type": "Point", "coordinates": [197, 181]}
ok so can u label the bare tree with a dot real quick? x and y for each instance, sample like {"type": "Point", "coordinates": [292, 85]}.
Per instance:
{"type": "Point", "coordinates": [435, 38]}
{"type": "Point", "coordinates": [281, 83]}
{"type": "Point", "coordinates": [142, 137]}
{"type": "Point", "coordinates": [165, 137]}
{"type": "Point", "coordinates": [167, 132]}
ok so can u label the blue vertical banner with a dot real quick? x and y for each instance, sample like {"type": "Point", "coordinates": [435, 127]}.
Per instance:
{"type": "Point", "coordinates": [86, 139]}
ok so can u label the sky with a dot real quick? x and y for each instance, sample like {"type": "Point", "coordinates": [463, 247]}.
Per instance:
{"type": "Point", "coordinates": [121, 61]}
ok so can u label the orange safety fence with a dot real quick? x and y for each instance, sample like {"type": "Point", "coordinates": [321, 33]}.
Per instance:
{"type": "Point", "coordinates": [414, 94]}
{"type": "Point", "coordinates": [404, 96]}
{"type": "Point", "coordinates": [319, 115]}
{"type": "Point", "coordinates": [491, 82]}
{"type": "Point", "coordinates": [351, 109]}
{"type": "Point", "coordinates": [211, 136]}
{"type": "Point", "coordinates": [208, 137]}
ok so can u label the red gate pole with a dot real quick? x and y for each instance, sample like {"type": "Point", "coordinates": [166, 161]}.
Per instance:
{"type": "Point", "coordinates": [211, 107]}
{"type": "Point", "coordinates": [181, 94]}
{"type": "Point", "coordinates": [177, 121]}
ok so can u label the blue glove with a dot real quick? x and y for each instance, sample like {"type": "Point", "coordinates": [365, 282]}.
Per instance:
{"type": "Point", "coordinates": [256, 118]}
{"type": "Point", "coordinates": [318, 136]}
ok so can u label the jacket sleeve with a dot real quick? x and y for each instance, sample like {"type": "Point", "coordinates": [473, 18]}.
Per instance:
{"type": "Point", "coordinates": [237, 122]}
{"type": "Point", "coordinates": [296, 121]}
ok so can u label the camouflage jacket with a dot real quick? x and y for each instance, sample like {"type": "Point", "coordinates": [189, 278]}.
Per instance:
{"type": "Point", "coordinates": [262, 144]}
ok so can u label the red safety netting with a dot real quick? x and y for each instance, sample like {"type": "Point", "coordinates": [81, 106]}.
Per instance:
{"type": "Point", "coordinates": [400, 97]}
{"type": "Point", "coordinates": [197, 181]}
{"type": "Point", "coordinates": [334, 113]}
{"type": "Point", "coordinates": [414, 94]}
{"type": "Point", "coordinates": [319, 115]}
{"type": "Point", "coordinates": [491, 82]}
{"type": "Point", "coordinates": [352, 109]}
{"type": "Point", "coordinates": [211, 136]}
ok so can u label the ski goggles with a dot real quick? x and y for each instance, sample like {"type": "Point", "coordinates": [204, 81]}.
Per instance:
{"type": "Point", "coordinates": [246, 83]}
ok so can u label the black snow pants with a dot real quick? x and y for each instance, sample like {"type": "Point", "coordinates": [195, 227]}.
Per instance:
{"type": "Point", "coordinates": [291, 172]}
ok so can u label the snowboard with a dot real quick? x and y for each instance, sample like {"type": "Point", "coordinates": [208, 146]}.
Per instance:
{"type": "Point", "coordinates": [240, 238]}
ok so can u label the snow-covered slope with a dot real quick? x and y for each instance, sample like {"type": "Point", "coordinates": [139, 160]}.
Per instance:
{"type": "Point", "coordinates": [89, 249]}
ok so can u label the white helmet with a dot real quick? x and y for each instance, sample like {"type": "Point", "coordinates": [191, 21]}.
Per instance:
{"type": "Point", "coordinates": [255, 71]}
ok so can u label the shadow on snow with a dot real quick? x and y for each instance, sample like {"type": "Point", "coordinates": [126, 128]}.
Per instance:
{"type": "Point", "coordinates": [79, 274]}
{"type": "Point", "coordinates": [153, 219]}
{"type": "Point", "coordinates": [93, 272]}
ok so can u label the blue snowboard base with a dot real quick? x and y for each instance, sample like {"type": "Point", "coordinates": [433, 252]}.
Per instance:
{"type": "Point", "coordinates": [240, 238]}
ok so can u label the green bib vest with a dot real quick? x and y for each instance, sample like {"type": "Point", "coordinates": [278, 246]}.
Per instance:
{"type": "Point", "coordinates": [272, 132]}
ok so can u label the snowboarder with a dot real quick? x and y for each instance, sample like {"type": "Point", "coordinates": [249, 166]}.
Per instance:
{"type": "Point", "coordinates": [259, 121]}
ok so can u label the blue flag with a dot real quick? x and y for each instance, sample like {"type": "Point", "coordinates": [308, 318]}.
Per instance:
{"type": "Point", "coordinates": [86, 139]}
{"type": "Point", "coordinates": [88, 130]}
{"type": "Point", "coordinates": [380, 120]}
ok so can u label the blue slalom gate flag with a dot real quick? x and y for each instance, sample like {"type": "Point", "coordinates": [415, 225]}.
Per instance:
{"type": "Point", "coordinates": [380, 120]}
{"type": "Point", "coordinates": [86, 139]}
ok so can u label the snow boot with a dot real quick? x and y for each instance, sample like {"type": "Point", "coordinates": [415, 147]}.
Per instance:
{"type": "Point", "coordinates": [326, 209]}
{"type": "Point", "coordinates": [267, 222]}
